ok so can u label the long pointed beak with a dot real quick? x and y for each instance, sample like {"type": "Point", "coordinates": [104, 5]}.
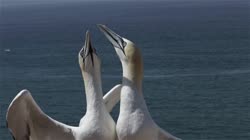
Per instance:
{"type": "Point", "coordinates": [87, 45]}
{"type": "Point", "coordinates": [87, 48]}
{"type": "Point", "coordinates": [116, 40]}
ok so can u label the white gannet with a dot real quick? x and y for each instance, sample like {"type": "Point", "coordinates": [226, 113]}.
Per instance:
{"type": "Point", "coordinates": [26, 121]}
{"type": "Point", "coordinates": [134, 121]}
{"type": "Point", "coordinates": [97, 124]}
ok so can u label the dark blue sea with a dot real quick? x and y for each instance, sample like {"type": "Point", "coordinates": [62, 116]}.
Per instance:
{"type": "Point", "coordinates": [196, 60]}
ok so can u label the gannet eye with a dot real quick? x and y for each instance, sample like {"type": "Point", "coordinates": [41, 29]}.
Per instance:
{"type": "Point", "coordinates": [124, 44]}
{"type": "Point", "coordinates": [84, 54]}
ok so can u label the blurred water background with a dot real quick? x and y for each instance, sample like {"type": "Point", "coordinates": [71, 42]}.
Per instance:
{"type": "Point", "coordinates": [196, 60]}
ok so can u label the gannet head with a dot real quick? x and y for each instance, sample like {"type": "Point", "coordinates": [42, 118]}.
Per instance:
{"type": "Point", "coordinates": [129, 54]}
{"type": "Point", "coordinates": [88, 59]}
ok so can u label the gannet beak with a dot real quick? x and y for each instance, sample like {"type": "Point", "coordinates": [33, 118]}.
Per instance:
{"type": "Point", "coordinates": [116, 40]}
{"type": "Point", "coordinates": [87, 48]}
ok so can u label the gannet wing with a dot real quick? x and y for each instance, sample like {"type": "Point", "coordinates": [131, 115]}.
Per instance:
{"type": "Point", "coordinates": [163, 135]}
{"type": "Point", "coordinates": [112, 97]}
{"type": "Point", "coordinates": [26, 121]}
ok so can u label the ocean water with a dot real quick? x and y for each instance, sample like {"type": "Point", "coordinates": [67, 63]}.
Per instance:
{"type": "Point", "coordinates": [196, 61]}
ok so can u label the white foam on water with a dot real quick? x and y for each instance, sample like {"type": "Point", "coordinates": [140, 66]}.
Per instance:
{"type": "Point", "coordinates": [7, 50]}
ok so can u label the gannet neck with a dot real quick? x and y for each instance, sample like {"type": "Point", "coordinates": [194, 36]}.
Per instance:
{"type": "Point", "coordinates": [131, 93]}
{"type": "Point", "coordinates": [131, 79]}
{"type": "Point", "coordinates": [93, 90]}
{"type": "Point", "coordinates": [133, 73]}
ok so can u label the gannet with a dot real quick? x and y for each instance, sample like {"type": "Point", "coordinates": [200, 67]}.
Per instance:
{"type": "Point", "coordinates": [26, 121]}
{"type": "Point", "coordinates": [134, 121]}
{"type": "Point", "coordinates": [97, 124]}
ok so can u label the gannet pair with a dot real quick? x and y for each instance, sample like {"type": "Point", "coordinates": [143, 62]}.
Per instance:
{"type": "Point", "coordinates": [27, 121]}
{"type": "Point", "coordinates": [134, 122]}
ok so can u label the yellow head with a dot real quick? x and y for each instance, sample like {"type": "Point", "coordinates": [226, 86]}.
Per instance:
{"type": "Point", "coordinates": [128, 53]}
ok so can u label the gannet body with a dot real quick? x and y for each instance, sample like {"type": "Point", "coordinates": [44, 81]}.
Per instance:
{"type": "Point", "coordinates": [134, 121]}
{"type": "Point", "coordinates": [97, 124]}
{"type": "Point", "coordinates": [26, 121]}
